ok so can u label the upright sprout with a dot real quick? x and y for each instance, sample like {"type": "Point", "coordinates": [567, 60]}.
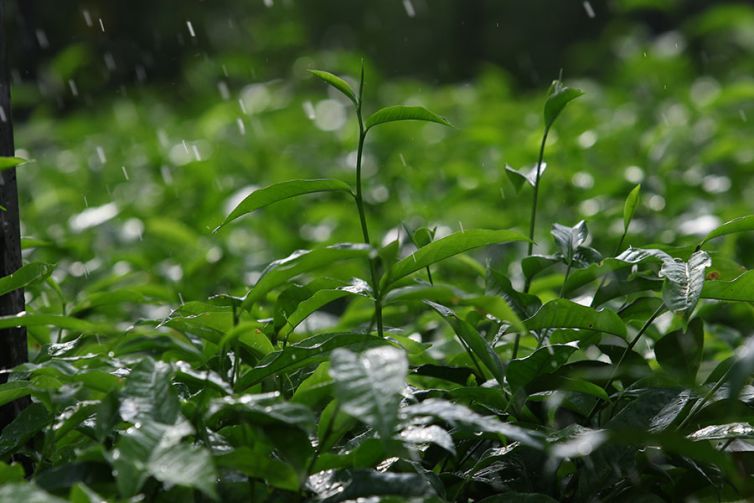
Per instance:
{"type": "Point", "coordinates": [558, 97]}
{"type": "Point", "coordinates": [384, 115]}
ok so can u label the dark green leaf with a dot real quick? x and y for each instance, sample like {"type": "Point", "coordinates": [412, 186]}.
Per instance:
{"type": "Point", "coordinates": [27, 424]}
{"type": "Point", "coordinates": [447, 247]}
{"type": "Point", "coordinates": [338, 83]}
{"type": "Point", "coordinates": [271, 470]}
{"type": "Point", "coordinates": [743, 367]}
{"type": "Point", "coordinates": [559, 97]}
{"type": "Point", "coordinates": [477, 344]}
{"type": "Point", "coordinates": [369, 385]}
{"type": "Point", "coordinates": [13, 390]}
{"type": "Point", "coordinates": [740, 289]}
{"type": "Point", "coordinates": [359, 485]}
{"type": "Point", "coordinates": [543, 361]}
{"type": "Point", "coordinates": [263, 409]}
{"type": "Point", "coordinates": [562, 313]}
{"type": "Point", "coordinates": [280, 191]}
{"type": "Point", "coordinates": [680, 351]}
{"type": "Point", "coordinates": [148, 394]}
{"type": "Point", "coordinates": [403, 113]}
{"type": "Point", "coordinates": [26, 275]}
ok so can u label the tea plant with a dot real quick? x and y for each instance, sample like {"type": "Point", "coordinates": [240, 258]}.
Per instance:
{"type": "Point", "coordinates": [402, 368]}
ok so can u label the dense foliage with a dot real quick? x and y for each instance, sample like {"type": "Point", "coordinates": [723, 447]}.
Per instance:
{"type": "Point", "coordinates": [419, 339]}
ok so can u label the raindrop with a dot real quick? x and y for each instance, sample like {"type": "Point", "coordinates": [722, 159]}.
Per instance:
{"type": "Point", "coordinates": [460, 225]}
{"type": "Point", "coordinates": [409, 8]}
{"type": "Point", "coordinates": [42, 40]}
{"type": "Point", "coordinates": [101, 155]}
{"type": "Point", "coordinates": [101, 25]}
{"type": "Point", "coordinates": [222, 86]}
{"type": "Point", "coordinates": [589, 10]}
{"type": "Point", "coordinates": [191, 29]}
{"type": "Point", "coordinates": [197, 155]}
{"type": "Point", "coordinates": [110, 62]}
{"type": "Point", "coordinates": [241, 126]}
{"type": "Point", "coordinates": [403, 160]}
{"type": "Point", "coordinates": [74, 88]}
{"type": "Point", "coordinates": [268, 3]}
{"type": "Point", "coordinates": [742, 114]}
{"type": "Point", "coordinates": [87, 18]}
{"type": "Point", "coordinates": [309, 110]}
{"type": "Point", "coordinates": [125, 173]}
{"type": "Point", "coordinates": [3, 117]}
{"type": "Point", "coordinates": [180, 298]}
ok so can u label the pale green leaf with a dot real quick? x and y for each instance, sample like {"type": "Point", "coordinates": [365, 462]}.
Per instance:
{"type": "Point", "coordinates": [629, 208]}
{"type": "Point", "coordinates": [336, 82]}
{"type": "Point", "coordinates": [559, 96]}
{"type": "Point", "coordinates": [740, 224]}
{"type": "Point", "coordinates": [562, 313]}
{"type": "Point", "coordinates": [403, 113]}
{"type": "Point", "coordinates": [684, 281]}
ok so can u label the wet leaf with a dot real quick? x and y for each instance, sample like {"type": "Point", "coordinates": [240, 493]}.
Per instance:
{"type": "Point", "coordinates": [684, 281]}
{"type": "Point", "coordinates": [336, 82]}
{"type": "Point", "coordinates": [562, 313]}
{"type": "Point", "coordinates": [403, 113]}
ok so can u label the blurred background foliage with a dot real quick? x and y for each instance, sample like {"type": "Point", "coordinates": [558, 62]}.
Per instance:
{"type": "Point", "coordinates": [147, 121]}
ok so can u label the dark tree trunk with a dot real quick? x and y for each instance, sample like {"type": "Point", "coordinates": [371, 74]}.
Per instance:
{"type": "Point", "coordinates": [12, 341]}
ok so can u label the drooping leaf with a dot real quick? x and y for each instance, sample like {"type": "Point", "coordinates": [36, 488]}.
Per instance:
{"type": "Point", "coordinates": [740, 289]}
{"type": "Point", "coordinates": [477, 344]}
{"type": "Point", "coordinates": [369, 385]}
{"type": "Point", "coordinates": [740, 224]}
{"type": "Point", "coordinates": [10, 162]}
{"type": "Point", "coordinates": [519, 178]}
{"type": "Point", "coordinates": [148, 394]}
{"type": "Point", "coordinates": [268, 468]}
{"type": "Point", "coordinates": [279, 192]}
{"type": "Point", "coordinates": [559, 96]}
{"type": "Point", "coordinates": [684, 281]}
{"type": "Point", "coordinates": [403, 113]}
{"type": "Point", "coordinates": [680, 351]}
{"type": "Point", "coordinates": [448, 246]}
{"type": "Point", "coordinates": [25, 276]}
{"type": "Point", "coordinates": [629, 207]}
{"type": "Point", "coordinates": [263, 409]}
{"type": "Point", "coordinates": [742, 368]}
{"type": "Point", "coordinates": [336, 82]}
{"type": "Point", "coordinates": [497, 307]}
{"type": "Point", "coordinates": [299, 262]}
{"type": "Point", "coordinates": [431, 434]}
{"type": "Point", "coordinates": [65, 322]}
{"type": "Point", "coordinates": [312, 350]}
{"type": "Point", "coordinates": [562, 313]}
{"type": "Point", "coordinates": [543, 361]}
{"type": "Point", "coordinates": [156, 450]}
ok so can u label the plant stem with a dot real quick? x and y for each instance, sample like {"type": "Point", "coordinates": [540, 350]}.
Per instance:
{"type": "Point", "coordinates": [533, 219]}
{"type": "Point", "coordinates": [363, 218]}
{"type": "Point", "coordinates": [628, 349]}
{"type": "Point", "coordinates": [565, 280]}
{"type": "Point", "coordinates": [604, 278]}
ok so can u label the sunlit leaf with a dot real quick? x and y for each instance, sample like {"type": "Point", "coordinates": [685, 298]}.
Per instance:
{"type": "Point", "coordinates": [562, 313]}
{"type": "Point", "coordinates": [684, 281]}
{"type": "Point", "coordinates": [559, 96]}
{"type": "Point", "coordinates": [281, 191]}
{"type": "Point", "coordinates": [301, 261]}
{"type": "Point", "coordinates": [740, 224]}
{"type": "Point", "coordinates": [448, 246]}
{"type": "Point", "coordinates": [336, 82]}
{"type": "Point", "coordinates": [403, 113]}
{"type": "Point", "coordinates": [368, 385]}
{"type": "Point", "coordinates": [629, 207]}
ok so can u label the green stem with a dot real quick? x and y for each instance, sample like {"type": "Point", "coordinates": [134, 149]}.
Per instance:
{"type": "Point", "coordinates": [565, 280]}
{"type": "Point", "coordinates": [533, 219]}
{"type": "Point", "coordinates": [363, 220]}
{"type": "Point", "coordinates": [604, 278]}
{"type": "Point", "coordinates": [628, 349]}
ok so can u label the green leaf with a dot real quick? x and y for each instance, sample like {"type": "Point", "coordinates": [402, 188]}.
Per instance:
{"type": "Point", "coordinates": [723, 432]}
{"type": "Point", "coordinates": [25, 276]}
{"type": "Point", "coordinates": [562, 313]}
{"type": "Point", "coordinates": [545, 360]}
{"type": "Point", "coordinates": [10, 162]}
{"type": "Point", "coordinates": [279, 192]}
{"type": "Point", "coordinates": [315, 349]}
{"type": "Point", "coordinates": [403, 113]}
{"type": "Point", "coordinates": [155, 449]}
{"type": "Point", "coordinates": [358, 485]}
{"type": "Point", "coordinates": [740, 224]}
{"type": "Point", "coordinates": [301, 261]}
{"type": "Point", "coordinates": [28, 423]}
{"type": "Point", "coordinates": [740, 289]}
{"type": "Point", "coordinates": [369, 385]}
{"type": "Point", "coordinates": [432, 434]}
{"type": "Point", "coordinates": [680, 351]}
{"type": "Point", "coordinates": [742, 368]}
{"type": "Point", "coordinates": [319, 299]}
{"type": "Point", "coordinates": [466, 420]}
{"type": "Point", "coordinates": [65, 322]}
{"type": "Point", "coordinates": [499, 308]}
{"type": "Point", "coordinates": [26, 492]}
{"type": "Point", "coordinates": [338, 83]}
{"type": "Point", "coordinates": [570, 239]}
{"type": "Point", "coordinates": [448, 246]}
{"type": "Point", "coordinates": [11, 473]}
{"type": "Point", "coordinates": [559, 96]}
{"type": "Point", "coordinates": [684, 281]}
{"type": "Point", "coordinates": [267, 468]}
{"type": "Point", "coordinates": [629, 208]}
{"type": "Point", "coordinates": [148, 393]}
{"type": "Point", "coordinates": [516, 497]}
{"type": "Point", "coordinates": [475, 343]}
{"type": "Point", "coordinates": [14, 390]}
{"type": "Point", "coordinates": [262, 409]}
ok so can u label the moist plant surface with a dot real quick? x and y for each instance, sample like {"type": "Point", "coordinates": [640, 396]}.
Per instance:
{"type": "Point", "coordinates": [441, 327]}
